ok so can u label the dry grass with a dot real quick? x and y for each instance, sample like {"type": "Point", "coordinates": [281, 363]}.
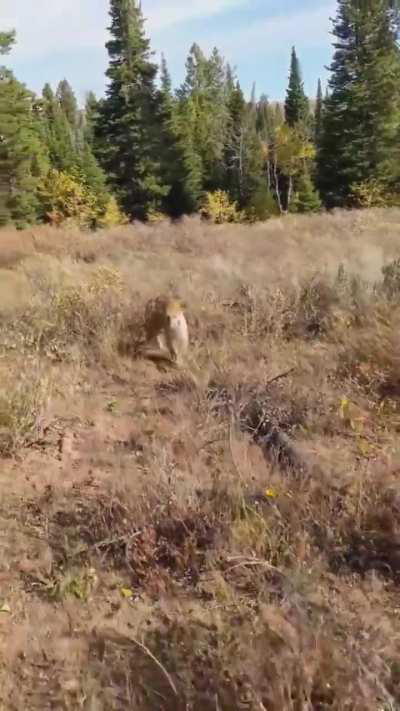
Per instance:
{"type": "Point", "coordinates": [209, 538]}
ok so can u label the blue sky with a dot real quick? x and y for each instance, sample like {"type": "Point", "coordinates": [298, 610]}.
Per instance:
{"type": "Point", "coordinates": [65, 38]}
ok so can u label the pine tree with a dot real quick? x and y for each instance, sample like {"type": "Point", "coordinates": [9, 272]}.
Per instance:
{"type": "Point", "coordinates": [69, 140]}
{"type": "Point", "coordinates": [279, 116]}
{"type": "Point", "coordinates": [60, 136]}
{"type": "Point", "coordinates": [318, 113]}
{"type": "Point", "coordinates": [361, 123]}
{"type": "Point", "coordinates": [253, 96]}
{"type": "Point", "coordinates": [195, 79]}
{"type": "Point", "coordinates": [296, 103]}
{"type": "Point", "coordinates": [244, 160]}
{"type": "Point", "coordinates": [7, 40]}
{"type": "Point", "coordinates": [234, 148]}
{"type": "Point", "coordinates": [90, 119]}
{"type": "Point", "coordinates": [128, 130]}
{"type": "Point", "coordinates": [230, 79]}
{"type": "Point", "coordinates": [383, 78]}
{"type": "Point", "coordinates": [203, 99]}
{"type": "Point", "coordinates": [165, 80]}
{"type": "Point", "coordinates": [90, 174]}
{"type": "Point", "coordinates": [202, 120]}
{"type": "Point", "coordinates": [23, 157]}
{"type": "Point", "coordinates": [265, 118]}
{"type": "Point", "coordinates": [68, 102]}
{"type": "Point", "coordinates": [172, 159]}
{"type": "Point", "coordinates": [218, 117]}
{"type": "Point", "coordinates": [185, 129]}
{"type": "Point", "coordinates": [306, 198]}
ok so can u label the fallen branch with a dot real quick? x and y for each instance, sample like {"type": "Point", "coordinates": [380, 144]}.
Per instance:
{"type": "Point", "coordinates": [125, 641]}
{"type": "Point", "coordinates": [249, 562]}
{"type": "Point", "coordinates": [278, 377]}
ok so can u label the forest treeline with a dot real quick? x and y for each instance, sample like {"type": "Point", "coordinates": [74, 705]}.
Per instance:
{"type": "Point", "coordinates": [146, 150]}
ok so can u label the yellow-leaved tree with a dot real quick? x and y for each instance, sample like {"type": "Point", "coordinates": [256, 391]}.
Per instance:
{"type": "Point", "coordinates": [217, 207]}
{"type": "Point", "coordinates": [112, 215]}
{"type": "Point", "coordinates": [289, 156]}
{"type": "Point", "coordinates": [66, 198]}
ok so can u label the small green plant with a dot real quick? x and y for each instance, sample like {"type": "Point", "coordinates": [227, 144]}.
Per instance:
{"type": "Point", "coordinates": [262, 205]}
{"type": "Point", "coordinates": [112, 406]}
{"type": "Point", "coordinates": [79, 584]}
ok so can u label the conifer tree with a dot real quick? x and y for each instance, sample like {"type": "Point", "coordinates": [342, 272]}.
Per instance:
{"type": "Point", "coordinates": [60, 137]}
{"type": "Point", "coordinates": [195, 79]}
{"type": "Point", "coordinates": [172, 158]}
{"type": "Point", "coordinates": [68, 102]}
{"type": "Point", "coordinates": [234, 148]}
{"type": "Point", "coordinates": [69, 143]}
{"type": "Point", "coordinates": [265, 118]}
{"type": "Point", "coordinates": [128, 128]}
{"type": "Point", "coordinates": [184, 128]}
{"type": "Point", "coordinates": [202, 120]}
{"type": "Point", "coordinates": [230, 79]}
{"type": "Point", "coordinates": [7, 40]}
{"type": "Point", "coordinates": [23, 157]}
{"type": "Point", "coordinates": [278, 114]}
{"type": "Point", "coordinates": [165, 80]}
{"type": "Point", "coordinates": [318, 113]}
{"type": "Point", "coordinates": [253, 96]}
{"type": "Point", "coordinates": [91, 118]}
{"type": "Point", "coordinates": [306, 198]}
{"type": "Point", "coordinates": [361, 123]}
{"type": "Point", "coordinates": [88, 172]}
{"type": "Point", "coordinates": [296, 103]}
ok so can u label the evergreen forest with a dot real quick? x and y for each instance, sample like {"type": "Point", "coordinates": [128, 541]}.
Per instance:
{"type": "Point", "coordinates": [147, 149]}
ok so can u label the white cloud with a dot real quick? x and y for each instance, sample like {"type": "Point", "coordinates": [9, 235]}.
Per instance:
{"type": "Point", "coordinates": [57, 38]}
{"type": "Point", "coordinates": [303, 28]}
{"type": "Point", "coordinates": [46, 26]}
{"type": "Point", "coordinates": [162, 14]}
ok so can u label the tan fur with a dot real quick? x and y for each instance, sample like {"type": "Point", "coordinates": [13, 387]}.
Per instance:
{"type": "Point", "coordinates": [167, 335]}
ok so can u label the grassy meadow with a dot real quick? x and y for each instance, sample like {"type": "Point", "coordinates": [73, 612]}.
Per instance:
{"type": "Point", "coordinates": [152, 554]}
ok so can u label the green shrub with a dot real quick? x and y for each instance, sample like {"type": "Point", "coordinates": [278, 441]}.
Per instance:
{"type": "Point", "coordinates": [262, 205]}
{"type": "Point", "coordinates": [306, 198]}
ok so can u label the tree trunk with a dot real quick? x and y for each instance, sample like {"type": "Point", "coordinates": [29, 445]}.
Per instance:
{"type": "Point", "coordinates": [289, 193]}
{"type": "Point", "coordinates": [277, 191]}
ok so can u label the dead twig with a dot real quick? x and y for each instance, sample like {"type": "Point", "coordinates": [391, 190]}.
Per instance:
{"type": "Point", "coordinates": [278, 377]}
{"type": "Point", "coordinates": [124, 640]}
{"type": "Point", "coordinates": [249, 562]}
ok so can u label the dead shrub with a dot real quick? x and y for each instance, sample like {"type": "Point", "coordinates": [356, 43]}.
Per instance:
{"type": "Point", "coordinates": [371, 355]}
{"type": "Point", "coordinates": [22, 406]}
{"type": "Point", "coordinates": [69, 319]}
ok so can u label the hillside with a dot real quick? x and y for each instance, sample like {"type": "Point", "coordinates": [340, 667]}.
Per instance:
{"type": "Point", "coordinates": [153, 554]}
